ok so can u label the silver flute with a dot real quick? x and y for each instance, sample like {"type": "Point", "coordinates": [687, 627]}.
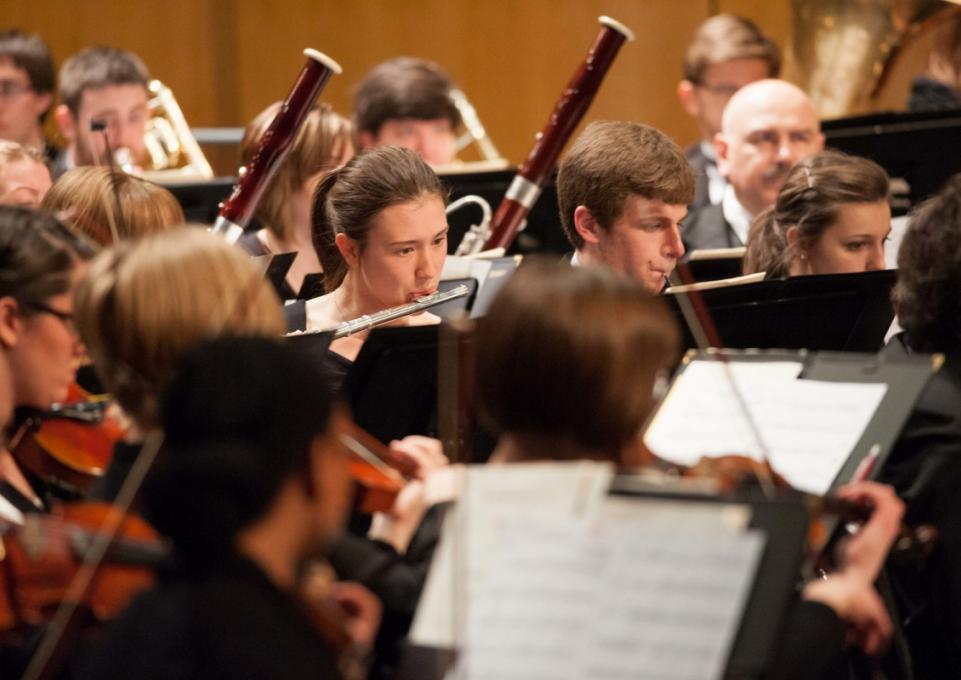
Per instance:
{"type": "Point", "coordinates": [367, 321]}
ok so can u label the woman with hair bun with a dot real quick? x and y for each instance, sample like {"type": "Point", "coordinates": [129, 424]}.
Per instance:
{"type": "Point", "coordinates": [831, 217]}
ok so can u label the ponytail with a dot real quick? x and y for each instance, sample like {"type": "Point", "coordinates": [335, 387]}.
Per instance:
{"type": "Point", "coordinates": [323, 235]}
{"type": "Point", "coordinates": [767, 247]}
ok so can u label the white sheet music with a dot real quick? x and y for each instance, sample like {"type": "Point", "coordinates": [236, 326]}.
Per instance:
{"type": "Point", "coordinates": [492, 497]}
{"type": "Point", "coordinates": [630, 600]}
{"type": "Point", "coordinates": [810, 427]}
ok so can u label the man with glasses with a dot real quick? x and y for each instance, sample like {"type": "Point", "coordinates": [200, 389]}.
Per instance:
{"type": "Point", "coordinates": [26, 90]}
{"type": "Point", "coordinates": [726, 54]}
{"type": "Point", "coordinates": [767, 127]}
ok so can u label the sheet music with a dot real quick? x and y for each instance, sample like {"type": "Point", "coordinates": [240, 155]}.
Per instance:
{"type": "Point", "coordinates": [492, 497]}
{"type": "Point", "coordinates": [810, 427]}
{"type": "Point", "coordinates": [640, 599]}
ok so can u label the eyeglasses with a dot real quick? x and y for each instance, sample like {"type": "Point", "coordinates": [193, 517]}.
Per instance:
{"type": "Point", "coordinates": [65, 317]}
{"type": "Point", "coordinates": [720, 89]}
{"type": "Point", "coordinates": [10, 89]}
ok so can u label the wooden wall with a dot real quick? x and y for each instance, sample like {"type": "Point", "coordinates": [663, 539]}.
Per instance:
{"type": "Point", "coordinates": [227, 59]}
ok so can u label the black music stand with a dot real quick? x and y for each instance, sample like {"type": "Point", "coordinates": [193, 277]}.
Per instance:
{"type": "Point", "coordinates": [312, 287]}
{"type": "Point", "coordinates": [911, 146]}
{"type": "Point", "coordinates": [543, 233]}
{"type": "Point", "coordinates": [201, 200]}
{"type": "Point", "coordinates": [277, 268]}
{"type": "Point", "coordinates": [714, 265]}
{"type": "Point", "coordinates": [773, 593]}
{"type": "Point", "coordinates": [835, 312]}
{"type": "Point", "coordinates": [454, 308]}
{"type": "Point", "coordinates": [392, 386]}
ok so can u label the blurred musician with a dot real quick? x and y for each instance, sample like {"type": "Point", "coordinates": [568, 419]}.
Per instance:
{"type": "Point", "coordinates": [767, 127]}
{"type": "Point", "coordinates": [620, 339]}
{"type": "Point", "coordinates": [103, 84]}
{"type": "Point", "coordinates": [323, 143]}
{"type": "Point", "coordinates": [623, 190]}
{"type": "Point", "coordinates": [24, 178]}
{"type": "Point", "coordinates": [143, 305]}
{"type": "Point", "coordinates": [925, 464]}
{"type": "Point", "coordinates": [251, 486]}
{"type": "Point", "coordinates": [831, 217]}
{"type": "Point", "coordinates": [86, 200]}
{"type": "Point", "coordinates": [406, 102]}
{"type": "Point", "coordinates": [727, 53]}
{"type": "Point", "coordinates": [26, 91]}
{"type": "Point", "coordinates": [380, 230]}
{"type": "Point", "coordinates": [939, 88]}
{"type": "Point", "coordinates": [40, 262]}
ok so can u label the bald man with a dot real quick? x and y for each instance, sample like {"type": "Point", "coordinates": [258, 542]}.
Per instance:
{"type": "Point", "coordinates": [767, 127]}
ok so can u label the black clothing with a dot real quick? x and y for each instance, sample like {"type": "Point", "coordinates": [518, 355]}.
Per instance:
{"type": "Point", "coordinates": [924, 467]}
{"type": "Point", "coordinates": [337, 367]}
{"type": "Point", "coordinates": [106, 488]}
{"type": "Point", "coordinates": [699, 164]}
{"type": "Point", "coordinates": [229, 622]}
{"type": "Point", "coordinates": [707, 228]}
{"type": "Point", "coordinates": [813, 645]}
{"type": "Point", "coordinates": [928, 94]}
{"type": "Point", "coordinates": [255, 248]}
{"type": "Point", "coordinates": [19, 501]}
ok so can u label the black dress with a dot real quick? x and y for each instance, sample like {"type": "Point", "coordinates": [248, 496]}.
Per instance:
{"type": "Point", "coordinates": [231, 622]}
{"type": "Point", "coordinates": [925, 469]}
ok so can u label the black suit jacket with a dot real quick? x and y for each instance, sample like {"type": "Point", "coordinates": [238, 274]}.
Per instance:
{"type": "Point", "coordinates": [707, 228]}
{"type": "Point", "coordinates": [925, 469]}
{"type": "Point", "coordinates": [699, 163]}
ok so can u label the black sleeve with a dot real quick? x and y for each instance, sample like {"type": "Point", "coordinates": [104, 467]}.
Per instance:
{"type": "Point", "coordinates": [812, 648]}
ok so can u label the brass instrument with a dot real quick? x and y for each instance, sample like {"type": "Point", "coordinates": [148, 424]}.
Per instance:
{"type": "Point", "coordinates": [369, 321]}
{"type": "Point", "coordinates": [841, 50]}
{"type": "Point", "coordinates": [474, 130]}
{"type": "Point", "coordinates": [475, 237]}
{"type": "Point", "coordinates": [172, 152]}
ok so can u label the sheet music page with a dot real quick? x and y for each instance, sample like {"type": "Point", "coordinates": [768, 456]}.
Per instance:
{"type": "Point", "coordinates": [492, 497]}
{"type": "Point", "coordinates": [657, 597]}
{"type": "Point", "coordinates": [810, 427]}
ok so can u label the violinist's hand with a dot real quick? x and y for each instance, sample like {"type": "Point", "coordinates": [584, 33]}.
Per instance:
{"type": "Point", "coordinates": [361, 609]}
{"type": "Point", "coordinates": [858, 605]}
{"type": "Point", "coordinates": [417, 455]}
{"type": "Point", "coordinates": [398, 526]}
{"type": "Point", "coordinates": [864, 553]}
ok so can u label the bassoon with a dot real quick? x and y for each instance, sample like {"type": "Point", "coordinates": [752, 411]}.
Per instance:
{"type": "Point", "coordinates": [511, 215]}
{"type": "Point", "coordinates": [237, 211]}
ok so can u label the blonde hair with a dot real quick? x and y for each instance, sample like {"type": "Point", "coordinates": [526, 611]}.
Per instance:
{"type": "Point", "coordinates": [143, 305]}
{"type": "Point", "coordinates": [322, 141]}
{"type": "Point", "coordinates": [84, 199]}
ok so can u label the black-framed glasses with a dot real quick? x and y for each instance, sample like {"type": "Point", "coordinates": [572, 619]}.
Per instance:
{"type": "Point", "coordinates": [11, 88]}
{"type": "Point", "coordinates": [65, 317]}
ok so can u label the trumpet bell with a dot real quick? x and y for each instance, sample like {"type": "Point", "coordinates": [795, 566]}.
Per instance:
{"type": "Point", "coordinates": [173, 153]}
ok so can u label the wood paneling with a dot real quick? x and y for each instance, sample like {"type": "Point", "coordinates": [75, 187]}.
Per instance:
{"type": "Point", "coordinates": [227, 59]}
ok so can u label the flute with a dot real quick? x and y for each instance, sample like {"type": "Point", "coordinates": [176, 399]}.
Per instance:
{"type": "Point", "coordinates": [368, 321]}
{"type": "Point", "coordinates": [511, 215]}
{"type": "Point", "coordinates": [237, 211]}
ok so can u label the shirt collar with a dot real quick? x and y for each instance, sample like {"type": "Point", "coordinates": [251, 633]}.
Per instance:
{"type": "Point", "coordinates": [736, 214]}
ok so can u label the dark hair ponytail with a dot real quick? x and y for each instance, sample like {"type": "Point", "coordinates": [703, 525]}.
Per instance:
{"type": "Point", "coordinates": [347, 200]}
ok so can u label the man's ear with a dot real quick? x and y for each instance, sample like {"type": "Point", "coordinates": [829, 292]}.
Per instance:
{"type": "Point", "coordinates": [721, 148]}
{"type": "Point", "coordinates": [10, 322]}
{"type": "Point", "coordinates": [685, 92]}
{"type": "Point", "coordinates": [65, 123]}
{"type": "Point", "coordinates": [367, 140]}
{"type": "Point", "coordinates": [349, 249]}
{"type": "Point", "coordinates": [586, 226]}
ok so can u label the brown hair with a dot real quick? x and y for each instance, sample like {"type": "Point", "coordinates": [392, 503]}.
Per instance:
{"type": "Point", "coordinates": [29, 52]}
{"type": "Point", "coordinates": [572, 354]}
{"type": "Point", "coordinates": [142, 305]}
{"type": "Point", "coordinates": [812, 196]}
{"type": "Point", "coordinates": [11, 152]}
{"type": "Point", "coordinates": [404, 88]}
{"type": "Point", "coordinates": [348, 199]}
{"type": "Point", "coordinates": [37, 256]}
{"type": "Point", "coordinates": [724, 37]}
{"type": "Point", "coordinates": [85, 199]}
{"type": "Point", "coordinates": [945, 58]}
{"type": "Point", "coordinates": [321, 142]}
{"type": "Point", "coordinates": [96, 67]}
{"type": "Point", "coordinates": [927, 296]}
{"type": "Point", "coordinates": [612, 160]}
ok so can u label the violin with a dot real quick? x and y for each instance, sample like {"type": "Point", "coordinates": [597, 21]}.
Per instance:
{"type": "Point", "coordinates": [379, 474]}
{"type": "Point", "coordinates": [40, 560]}
{"type": "Point", "coordinates": [70, 445]}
